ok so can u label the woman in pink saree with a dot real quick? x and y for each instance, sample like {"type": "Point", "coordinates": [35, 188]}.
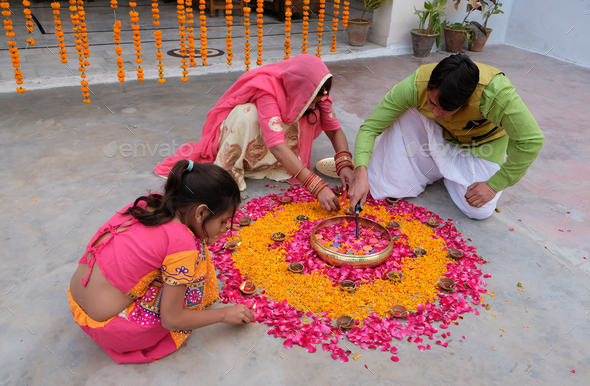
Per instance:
{"type": "Point", "coordinates": [265, 125]}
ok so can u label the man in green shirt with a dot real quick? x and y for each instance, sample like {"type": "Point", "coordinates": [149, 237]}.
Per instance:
{"type": "Point", "coordinates": [458, 120]}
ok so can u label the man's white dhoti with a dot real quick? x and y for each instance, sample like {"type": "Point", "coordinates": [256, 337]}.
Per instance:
{"type": "Point", "coordinates": [413, 153]}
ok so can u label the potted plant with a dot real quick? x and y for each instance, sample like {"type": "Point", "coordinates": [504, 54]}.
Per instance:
{"type": "Point", "coordinates": [429, 27]}
{"type": "Point", "coordinates": [457, 33]}
{"type": "Point", "coordinates": [358, 27]}
{"type": "Point", "coordinates": [482, 33]}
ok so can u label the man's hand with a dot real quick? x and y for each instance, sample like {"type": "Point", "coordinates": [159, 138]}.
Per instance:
{"type": "Point", "coordinates": [360, 187]}
{"type": "Point", "coordinates": [479, 194]}
{"type": "Point", "coordinates": [347, 177]}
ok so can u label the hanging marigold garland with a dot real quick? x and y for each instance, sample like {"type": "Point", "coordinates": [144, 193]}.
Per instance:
{"type": "Point", "coordinates": [136, 39]}
{"type": "Point", "coordinates": [158, 37]}
{"type": "Point", "coordinates": [247, 47]}
{"type": "Point", "coordinates": [29, 22]}
{"type": "Point", "coordinates": [305, 25]}
{"type": "Point", "coordinates": [191, 36]}
{"type": "Point", "coordinates": [182, 33]}
{"type": "Point", "coordinates": [12, 46]}
{"type": "Point", "coordinates": [229, 22]}
{"type": "Point", "coordinates": [84, 34]}
{"type": "Point", "coordinates": [119, 50]}
{"type": "Point", "coordinates": [203, 35]}
{"type": "Point", "coordinates": [320, 28]}
{"type": "Point", "coordinates": [77, 16]}
{"type": "Point", "coordinates": [335, 25]}
{"type": "Point", "coordinates": [345, 14]}
{"type": "Point", "coordinates": [288, 15]}
{"type": "Point", "coordinates": [59, 32]}
{"type": "Point", "coordinates": [259, 21]}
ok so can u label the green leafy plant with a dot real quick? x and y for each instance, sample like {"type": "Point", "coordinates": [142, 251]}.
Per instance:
{"type": "Point", "coordinates": [371, 5]}
{"type": "Point", "coordinates": [492, 10]}
{"type": "Point", "coordinates": [430, 18]}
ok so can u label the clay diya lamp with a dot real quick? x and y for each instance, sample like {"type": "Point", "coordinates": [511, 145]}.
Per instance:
{"type": "Point", "coordinates": [231, 245]}
{"type": "Point", "coordinates": [432, 222]}
{"type": "Point", "coordinates": [394, 225]}
{"type": "Point", "coordinates": [285, 199]}
{"type": "Point", "coordinates": [301, 218]}
{"type": "Point", "coordinates": [248, 287]}
{"type": "Point", "coordinates": [348, 211]}
{"type": "Point", "coordinates": [398, 311]}
{"type": "Point", "coordinates": [420, 252]}
{"type": "Point", "coordinates": [245, 221]}
{"type": "Point", "coordinates": [395, 276]}
{"type": "Point", "coordinates": [338, 191]}
{"type": "Point", "coordinates": [296, 267]}
{"type": "Point", "coordinates": [345, 322]}
{"type": "Point", "coordinates": [392, 201]}
{"type": "Point", "coordinates": [455, 253]}
{"type": "Point", "coordinates": [447, 284]}
{"type": "Point", "coordinates": [348, 286]}
{"type": "Point", "coordinates": [279, 237]}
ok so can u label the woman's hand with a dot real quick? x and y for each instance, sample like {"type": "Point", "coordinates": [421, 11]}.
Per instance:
{"type": "Point", "coordinates": [239, 314]}
{"type": "Point", "coordinates": [328, 199]}
{"type": "Point", "coordinates": [360, 188]}
{"type": "Point", "coordinates": [347, 177]}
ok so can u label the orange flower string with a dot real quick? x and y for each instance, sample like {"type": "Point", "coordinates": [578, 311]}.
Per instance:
{"type": "Point", "coordinates": [191, 35]}
{"type": "Point", "coordinates": [158, 37]}
{"type": "Point", "coordinates": [118, 50]}
{"type": "Point", "coordinates": [84, 33]}
{"type": "Point", "coordinates": [320, 28]}
{"type": "Point", "coordinates": [203, 35]}
{"type": "Point", "coordinates": [181, 20]}
{"type": "Point", "coordinates": [59, 32]}
{"type": "Point", "coordinates": [345, 14]}
{"type": "Point", "coordinates": [14, 56]}
{"type": "Point", "coordinates": [305, 25]}
{"type": "Point", "coordinates": [335, 25]}
{"type": "Point", "coordinates": [247, 47]}
{"type": "Point", "coordinates": [259, 21]}
{"type": "Point", "coordinates": [288, 15]}
{"type": "Point", "coordinates": [136, 39]}
{"type": "Point", "coordinates": [114, 4]}
{"type": "Point", "coordinates": [228, 22]}
{"type": "Point", "coordinates": [29, 22]}
{"type": "Point", "coordinates": [75, 16]}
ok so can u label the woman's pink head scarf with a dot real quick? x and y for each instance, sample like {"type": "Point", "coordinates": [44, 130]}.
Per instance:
{"type": "Point", "coordinates": [293, 83]}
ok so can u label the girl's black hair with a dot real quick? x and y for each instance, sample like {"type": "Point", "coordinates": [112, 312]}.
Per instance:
{"type": "Point", "coordinates": [325, 88]}
{"type": "Point", "coordinates": [455, 77]}
{"type": "Point", "coordinates": [206, 184]}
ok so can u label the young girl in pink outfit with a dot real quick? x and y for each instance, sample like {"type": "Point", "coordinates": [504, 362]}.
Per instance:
{"type": "Point", "coordinates": [147, 279]}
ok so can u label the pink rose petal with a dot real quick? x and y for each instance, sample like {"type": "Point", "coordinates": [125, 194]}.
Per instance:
{"type": "Point", "coordinates": [288, 343]}
{"type": "Point", "coordinates": [396, 359]}
{"type": "Point", "coordinates": [511, 229]}
{"type": "Point", "coordinates": [573, 371]}
{"type": "Point", "coordinates": [421, 348]}
{"type": "Point", "coordinates": [463, 336]}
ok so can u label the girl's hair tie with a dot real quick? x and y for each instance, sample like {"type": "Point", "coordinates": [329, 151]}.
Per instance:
{"type": "Point", "coordinates": [189, 168]}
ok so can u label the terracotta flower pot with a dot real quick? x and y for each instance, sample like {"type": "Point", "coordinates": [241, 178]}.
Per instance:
{"type": "Point", "coordinates": [479, 42]}
{"type": "Point", "coordinates": [454, 40]}
{"type": "Point", "coordinates": [357, 31]}
{"type": "Point", "coordinates": [422, 43]}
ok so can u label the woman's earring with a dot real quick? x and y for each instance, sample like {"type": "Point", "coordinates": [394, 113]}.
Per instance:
{"type": "Point", "coordinates": [325, 92]}
{"type": "Point", "coordinates": [198, 221]}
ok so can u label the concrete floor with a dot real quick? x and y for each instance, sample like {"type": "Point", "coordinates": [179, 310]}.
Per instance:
{"type": "Point", "coordinates": [64, 178]}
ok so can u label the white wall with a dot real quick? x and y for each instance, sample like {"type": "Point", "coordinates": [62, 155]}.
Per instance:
{"type": "Point", "coordinates": [538, 25]}
{"type": "Point", "coordinates": [393, 21]}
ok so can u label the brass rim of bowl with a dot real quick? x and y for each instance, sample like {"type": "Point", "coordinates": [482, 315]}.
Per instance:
{"type": "Point", "coordinates": [455, 253]}
{"type": "Point", "coordinates": [296, 267]}
{"type": "Point", "coordinates": [245, 221]}
{"type": "Point", "coordinates": [278, 236]}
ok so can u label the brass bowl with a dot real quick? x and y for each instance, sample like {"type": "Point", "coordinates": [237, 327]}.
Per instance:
{"type": "Point", "coordinates": [392, 201]}
{"type": "Point", "coordinates": [296, 267]}
{"type": "Point", "coordinates": [231, 245]}
{"type": "Point", "coordinates": [432, 222]}
{"type": "Point", "coordinates": [420, 252]}
{"type": "Point", "coordinates": [447, 284]}
{"type": "Point", "coordinates": [245, 221]}
{"type": "Point", "coordinates": [285, 199]}
{"type": "Point", "coordinates": [395, 276]}
{"type": "Point", "coordinates": [338, 259]}
{"type": "Point", "coordinates": [345, 322]}
{"type": "Point", "coordinates": [248, 287]}
{"type": "Point", "coordinates": [301, 218]}
{"type": "Point", "coordinates": [347, 285]}
{"type": "Point", "coordinates": [278, 237]}
{"type": "Point", "coordinates": [398, 311]}
{"type": "Point", "coordinates": [393, 224]}
{"type": "Point", "coordinates": [455, 253]}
